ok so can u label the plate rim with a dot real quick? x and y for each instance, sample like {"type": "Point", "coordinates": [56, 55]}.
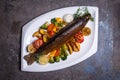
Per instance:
{"type": "Point", "coordinates": [92, 50]}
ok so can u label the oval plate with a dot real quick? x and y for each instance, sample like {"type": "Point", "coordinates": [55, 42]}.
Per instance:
{"type": "Point", "coordinates": [88, 47]}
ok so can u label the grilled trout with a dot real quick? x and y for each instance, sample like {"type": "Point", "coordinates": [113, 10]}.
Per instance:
{"type": "Point", "coordinates": [60, 38]}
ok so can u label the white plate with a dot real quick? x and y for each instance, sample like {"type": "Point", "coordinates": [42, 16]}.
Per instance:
{"type": "Point", "coordinates": [88, 47]}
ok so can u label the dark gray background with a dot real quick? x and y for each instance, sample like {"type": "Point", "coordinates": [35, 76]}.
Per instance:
{"type": "Point", "coordinates": [104, 65]}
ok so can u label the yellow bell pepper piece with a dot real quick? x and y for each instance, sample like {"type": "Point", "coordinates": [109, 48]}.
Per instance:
{"type": "Point", "coordinates": [59, 19]}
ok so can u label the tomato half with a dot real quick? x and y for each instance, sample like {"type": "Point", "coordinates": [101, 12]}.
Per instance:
{"type": "Point", "coordinates": [79, 37]}
{"type": "Point", "coordinates": [38, 43]}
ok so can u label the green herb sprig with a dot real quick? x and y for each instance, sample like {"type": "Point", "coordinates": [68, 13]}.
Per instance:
{"type": "Point", "coordinates": [81, 12]}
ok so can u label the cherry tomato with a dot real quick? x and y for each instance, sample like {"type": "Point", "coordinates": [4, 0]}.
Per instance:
{"type": "Point", "coordinates": [38, 43]}
{"type": "Point", "coordinates": [79, 37]}
{"type": "Point", "coordinates": [51, 33]}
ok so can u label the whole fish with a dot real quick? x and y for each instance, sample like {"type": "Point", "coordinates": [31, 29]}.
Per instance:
{"type": "Point", "coordinates": [60, 38]}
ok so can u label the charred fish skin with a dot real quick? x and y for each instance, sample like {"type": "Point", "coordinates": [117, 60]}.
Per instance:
{"type": "Point", "coordinates": [60, 38]}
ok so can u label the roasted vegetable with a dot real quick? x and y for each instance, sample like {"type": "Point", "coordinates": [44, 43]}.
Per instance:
{"type": "Point", "coordinates": [57, 22]}
{"type": "Point", "coordinates": [57, 53]}
{"type": "Point", "coordinates": [86, 31]}
{"type": "Point", "coordinates": [31, 49]}
{"type": "Point", "coordinates": [51, 60]}
{"type": "Point", "coordinates": [52, 53]}
{"type": "Point", "coordinates": [45, 25]}
{"type": "Point", "coordinates": [65, 47]}
{"type": "Point", "coordinates": [54, 56]}
{"type": "Point", "coordinates": [63, 56]}
{"type": "Point", "coordinates": [42, 31]}
{"type": "Point", "coordinates": [74, 45]}
{"type": "Point", "coordinates": [77, 46]}
{"type": "Point", "coordinates": [57, 58]}
{"type": "Point", "coordinates": [59, 19]}
{"type": "Point", "coordinates": [63, 53]}
{"type": "Point", "coordinates": [61, 24]}
{"type": "Point", "coordinates": [69, 48]}
{"type": "Point", "coordinates": [37, 34]}
{"type": "Point", "coordinates": [43, 59]}
{"type": "Point", "coordinates": [79, 37]}
{"type": "Point", "coordinates": [52, 29]}
{"type": "Point", "coordinates": [38, 43]}
{"type": "Point", "coordinates": [51, 33]}
{"type": "Point", "coordinates": [53, 20]}
{"type": "Point", "coordinates": [45, 38]}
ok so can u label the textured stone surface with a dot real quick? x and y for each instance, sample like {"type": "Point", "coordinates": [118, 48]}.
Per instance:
{"type": "Point", "coordinates": [104, 65]}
